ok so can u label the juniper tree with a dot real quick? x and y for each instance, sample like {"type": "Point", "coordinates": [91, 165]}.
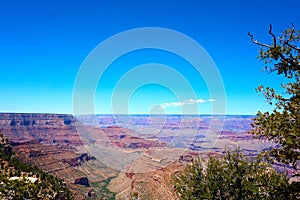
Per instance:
{"type": "Point", "coordinates": [282, 124]}
{"type": "Point", "coordinates": [232, 177]}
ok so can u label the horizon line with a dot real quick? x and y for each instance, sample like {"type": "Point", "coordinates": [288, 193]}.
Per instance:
{"type": "Point", "coordinates": [133, 114]}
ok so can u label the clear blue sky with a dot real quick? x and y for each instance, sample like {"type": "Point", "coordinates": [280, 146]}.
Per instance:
{"type": "Point", "coordinates": [43, 44]}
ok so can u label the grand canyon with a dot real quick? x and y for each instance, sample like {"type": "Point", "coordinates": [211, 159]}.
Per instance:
{"type": "Point", "coordinates": [122, 156]}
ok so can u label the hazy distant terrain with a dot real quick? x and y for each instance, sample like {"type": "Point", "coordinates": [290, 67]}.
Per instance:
{"type": "Point", "coordinates": [118, 155]}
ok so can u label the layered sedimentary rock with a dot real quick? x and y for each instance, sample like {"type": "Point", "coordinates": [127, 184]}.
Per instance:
{"type": "Point", "coordinates": [45, 128]}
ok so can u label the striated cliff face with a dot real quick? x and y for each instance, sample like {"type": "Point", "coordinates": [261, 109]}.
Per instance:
{"type": "Point", "coordinates": [46, 128]}
{"type": "Point", "coordinates": [35, 119]}
{"type": "Point", "coordinates": [49, 141]}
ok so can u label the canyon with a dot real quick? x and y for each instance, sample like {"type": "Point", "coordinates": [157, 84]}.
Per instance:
{"type": "Point", "coordinates": [122, 156]}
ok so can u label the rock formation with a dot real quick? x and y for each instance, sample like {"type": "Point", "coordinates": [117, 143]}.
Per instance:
{"type": "Point", "coordinates": [45, 128]}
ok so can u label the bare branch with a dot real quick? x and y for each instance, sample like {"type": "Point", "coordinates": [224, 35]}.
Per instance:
{"type": "Point", "coordinates": [271, 33]}
{"type": "Point", "coordinates": [256, 42]}
{"type": "Point", "coordinates": [280, 54]}
{"type": "Point", "coordinates": [292, 46]}
{"type": "Point", "coordinates": [286, 42]}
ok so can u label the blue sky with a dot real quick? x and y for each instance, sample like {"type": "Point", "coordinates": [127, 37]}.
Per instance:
{"type": "Point", "coordinates": [43, 44]}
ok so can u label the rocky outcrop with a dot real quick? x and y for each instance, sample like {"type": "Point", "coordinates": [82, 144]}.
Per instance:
{"type": "Point", "coordinates": [91, 194]}
{"type": "Point", "coordinates": [46, 128]}
{"type": "Point", "coordinates": [82, 181]}
{"type": "Point", "coordinates": [76, 161]}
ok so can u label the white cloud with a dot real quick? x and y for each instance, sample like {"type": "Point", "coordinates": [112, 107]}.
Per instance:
{"type": "Point", "coordinates": [186, 102]}
{"type": "Point", "coordinates": [211, 100]}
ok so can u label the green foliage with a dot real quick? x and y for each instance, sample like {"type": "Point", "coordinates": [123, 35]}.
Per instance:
{"type": "Point", "coordinates": [102, 191]}
{"type": "Point", "coordinates": [23, 188]}
{"type": "Point", "coordinates": [232, 177]}
{"type": "Point", "coordinates": [282, 125]}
